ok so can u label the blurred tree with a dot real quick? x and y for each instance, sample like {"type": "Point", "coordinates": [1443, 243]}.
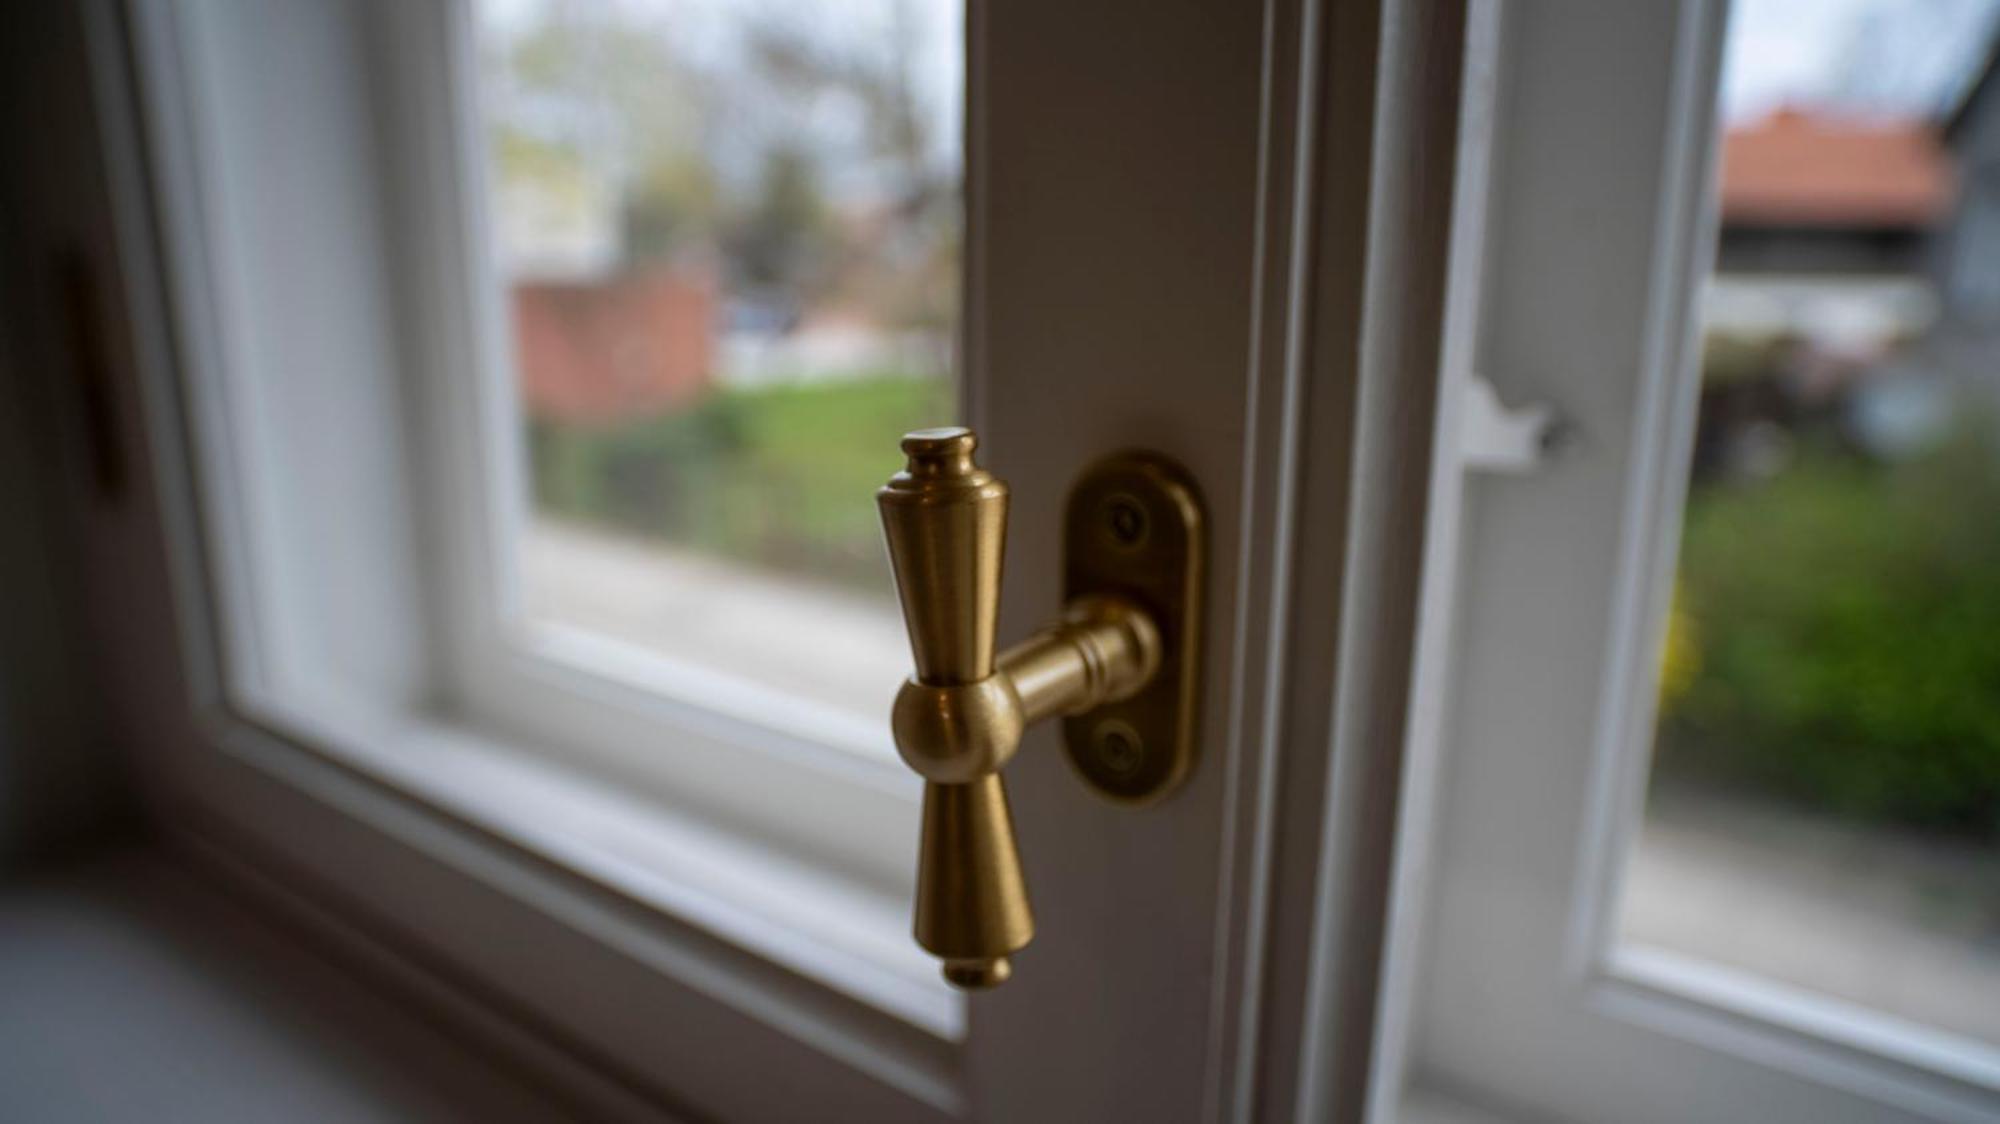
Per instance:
{"type": "Point", "coordinates": [670, 209]}
{"type": "Point", "coordinates": [905, 271]}
{"type": "Point", "coordinates": [612, 87]}
{"type": "Point", "coordinates": [779, 241]}
{"type": "Point", "coordinates": [596, 108]}
{"type": "Point", "coordinates": [879, 72]}
{"type": "Point", "coordinates": [798, 147]}
{"type": "Point", "coordinates": [552, 165]}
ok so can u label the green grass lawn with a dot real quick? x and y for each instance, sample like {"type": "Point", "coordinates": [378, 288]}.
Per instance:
{"type": "Point", "coordinates": [783, 477]}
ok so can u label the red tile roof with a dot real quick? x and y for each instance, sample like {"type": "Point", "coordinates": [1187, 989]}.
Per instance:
{"type": "Point", "coordinates": [1796, 170]}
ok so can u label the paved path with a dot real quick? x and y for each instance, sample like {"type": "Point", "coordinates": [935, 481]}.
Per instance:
{"type": "Point", "coordinates": [819, 642]}
{"type": "Point", "coordinates": [1901, 924]}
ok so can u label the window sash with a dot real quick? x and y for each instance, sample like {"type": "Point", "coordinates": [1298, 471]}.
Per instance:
{"type": "Point", "coordinates": [1524, 804]}
{"type": "Point", "coordinates": [353, 477]}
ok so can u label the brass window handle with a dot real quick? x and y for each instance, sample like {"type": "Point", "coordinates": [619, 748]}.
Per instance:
{"type": "Point", "coordinates": [1119, 664]}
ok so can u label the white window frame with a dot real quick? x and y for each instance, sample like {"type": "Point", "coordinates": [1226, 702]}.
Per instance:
{"type": "Point", "coordinates": [1505, 996]}
{"type": "Point", "coordinates": [769, 873]}
{"type": "Point", "coordinates": [424, 340]}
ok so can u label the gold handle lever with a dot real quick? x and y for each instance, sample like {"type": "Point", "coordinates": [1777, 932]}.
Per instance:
{"type": "Point", "coordinates": [960, 718]}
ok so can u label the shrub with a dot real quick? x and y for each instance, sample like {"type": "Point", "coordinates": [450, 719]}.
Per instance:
{"type": "Point", "coordinates": [1838, 637]}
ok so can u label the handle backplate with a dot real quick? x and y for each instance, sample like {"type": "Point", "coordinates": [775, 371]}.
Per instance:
{"type": "Point", "coordinates": [1134, 530]}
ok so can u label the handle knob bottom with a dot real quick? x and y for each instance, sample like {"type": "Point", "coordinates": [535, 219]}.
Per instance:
{"type": "Point", "coordinates": [978, 975]}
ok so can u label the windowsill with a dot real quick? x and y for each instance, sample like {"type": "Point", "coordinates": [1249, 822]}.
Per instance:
{"type": "Point", "coordinates": [849, 937]}
{"type": "Point", "coordinates": [137, 991]}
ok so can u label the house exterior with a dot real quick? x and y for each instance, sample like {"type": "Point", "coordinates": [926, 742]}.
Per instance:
{"type": "Point", "coordinates": [1826, 230]}
{"type": "Point", "coordinates": [1967, 262]}
{"type": "Point", "coordinates": [1811, 194]}
{"type": "Point", "coordinates": [1822, 276]}
{"type": "Point", "coordinates": [602, 351]}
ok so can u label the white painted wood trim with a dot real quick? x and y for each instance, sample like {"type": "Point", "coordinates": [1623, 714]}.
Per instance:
{"type": "Point", "coordinates": [1430, 695]}
{"type": "Point", "coordinates": [1352, 270]}
{"type": "Point", "coordinates": [1213, 400]}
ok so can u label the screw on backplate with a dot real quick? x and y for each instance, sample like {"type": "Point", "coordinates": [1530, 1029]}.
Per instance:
{"type": "Point", "coordinates": [1117, 747]}
{"type": "Point", "coordinates": [1127, 520]}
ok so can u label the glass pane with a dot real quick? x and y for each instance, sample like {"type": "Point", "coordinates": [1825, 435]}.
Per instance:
{"type": "Point", "coordinates": [1825, 801]}
{"type": "Point", "coordinates": [729, 233]}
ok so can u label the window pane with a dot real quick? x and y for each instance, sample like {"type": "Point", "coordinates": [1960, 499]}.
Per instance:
{"type": "Point", "coordinates": [729, 235]}
{"type": "Point", "coordinates": [1825, 801]}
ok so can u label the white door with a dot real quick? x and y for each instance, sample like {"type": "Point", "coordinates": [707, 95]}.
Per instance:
{"type": "Point", "coordinates": [439, 654]}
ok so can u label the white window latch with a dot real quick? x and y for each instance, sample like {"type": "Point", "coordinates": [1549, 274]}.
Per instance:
{"type": "Point", "coordinates": [1494, 438]}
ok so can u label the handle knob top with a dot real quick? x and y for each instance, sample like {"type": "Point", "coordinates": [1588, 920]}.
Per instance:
{"type": "Point", "coordinates": [939, 458]}
{"type": "Point", "coordinates": [940, 440]}
{"type": "Point", "coordinates": [945, 519]}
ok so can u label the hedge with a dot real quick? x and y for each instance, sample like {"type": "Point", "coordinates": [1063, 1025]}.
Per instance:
{"type": "Point", "coordinates": [781, 477]}
{"type": "Point", "coordinates": [1837, 638]}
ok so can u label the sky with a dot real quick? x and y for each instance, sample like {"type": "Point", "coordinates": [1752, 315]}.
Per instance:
{"type": "Point", "coordinates": [1866, 57]}
{"type": "Point", "coordinates": [706, 31]}
{"type": "Point", "coordinates": [1889, 57]}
